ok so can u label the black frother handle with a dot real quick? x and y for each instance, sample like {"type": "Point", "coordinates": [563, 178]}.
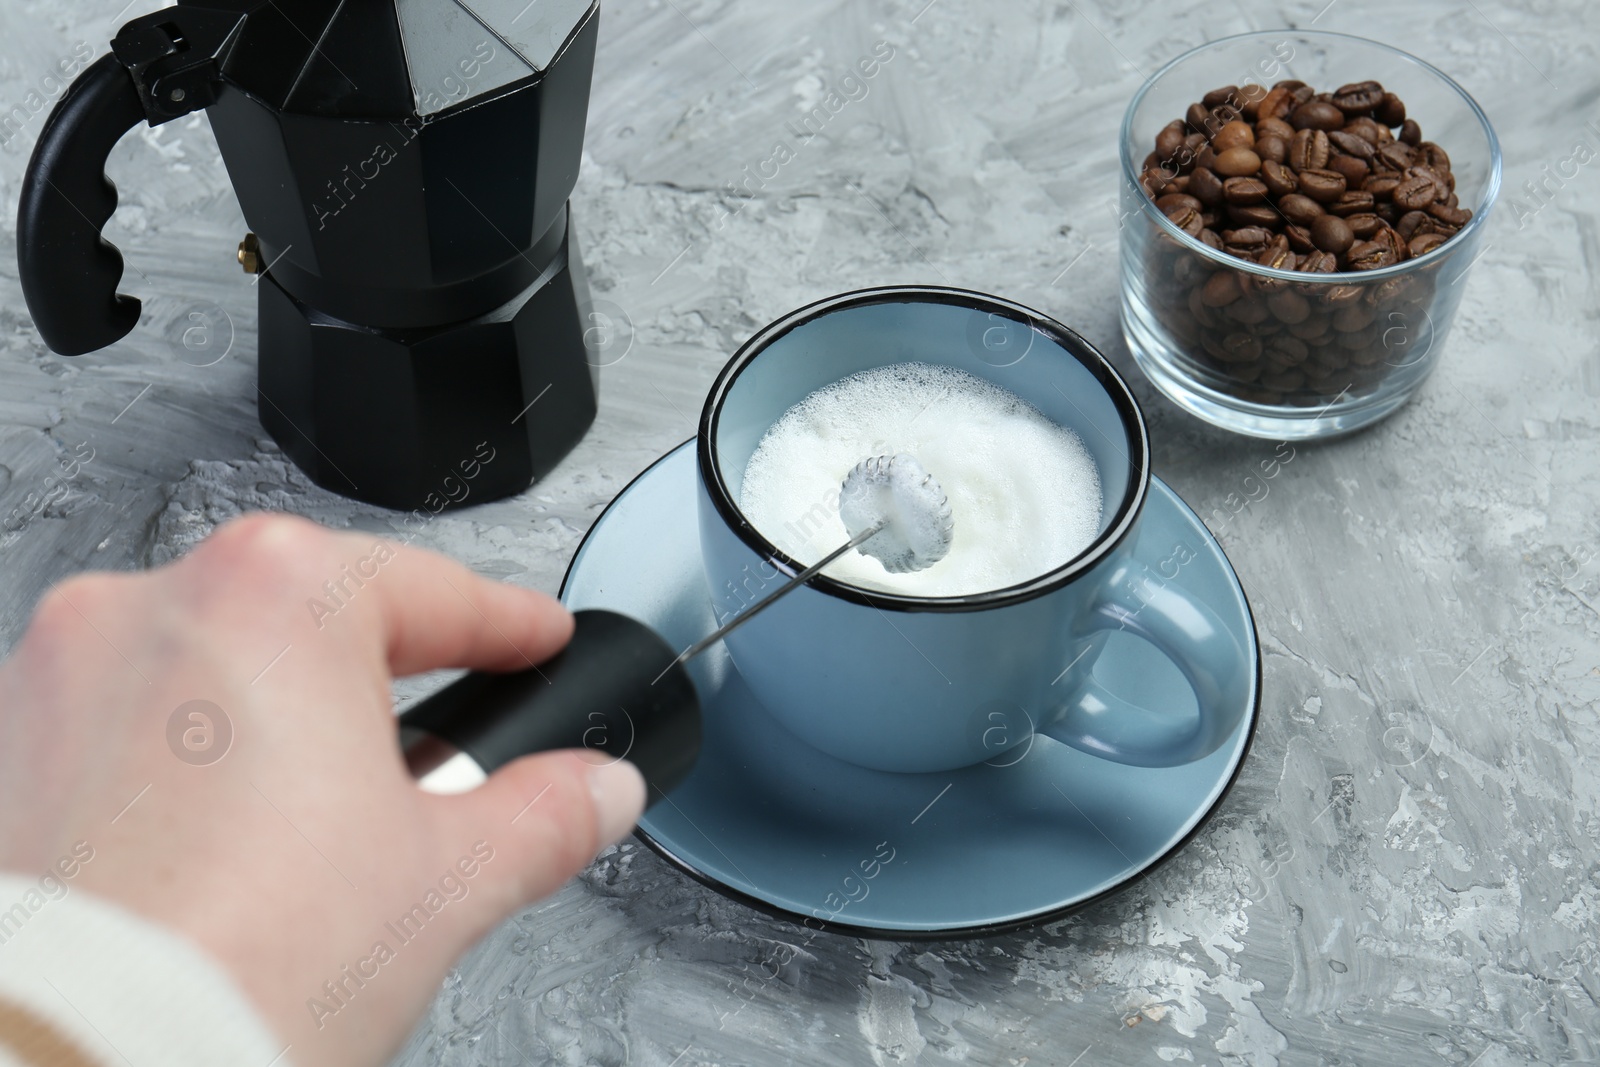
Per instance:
{"type": "Point", "coordinates": [616, 688]}
{"type": "Point", "coordinates": [69, 272]}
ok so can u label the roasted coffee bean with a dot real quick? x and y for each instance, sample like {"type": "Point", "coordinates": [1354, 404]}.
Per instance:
{"type": "Point", "coordinates": [1274, 128]}
{"type": "Point", "coordinates": [1300, 239]}
{"type": "Point", "coordinates": [1392, 111]}
{"type": "Point", "coordinates": [1254, 214]}
{"type": "Point", "coordinates": [1170, 139]}
{"type": "Point", "coordinates": [1330, 357]}
{"type": "Point", "coordinates": [1396, 155]}
{"type": "Point", "coordinates": [1244, 190]}
{"type": "Point", "coordinates": [1186, 219]}
{"type": "Point", "coordinates": [1351, 144]}
{"type": "Point", "coordinates": [1367, 130]}
{"type": "Point", "coordinates": [1236, 134]}
{"type": "Point", "coordinates": [1352, 317]}
{"type": "Point", "coordinates": [1414, 223]}
{"type": "Point", "coordinates": [1353, 202]}
{"type": "Point", "coordinates": [1392, 291]}
{"type": "Point", "coordinates": [1423, 243]}
{"type": "Point", "coordinates": [1285, 350]}
{"type": "Point", "coordinates": [1391, 240]}
{"type": "Point", "coordinates": [1442, 180]}
{"type": "Point", "coordinates": [1314, 327]}
{"type": "Point", "coordinates": [1434, 156]}
{"type": "Point", "coordinates": [1354, 170]}
{"type": "Point", "coordinates": [1410, 132]}
{"type": "Point", "coordinates": [1279, 179]}
{"type": "Point", "coordinates": [1414, 193]}
{"type": "Point", "coordinates": [1176, 200]}
{"type": "Point", "coordinates": [1318, 262]}
{"type": "Point", "coordinates": [1205, 186]}
{"type": "Point", "coordinates": [1277, 256]}
{"type": "Point", "coordinates": [1236, 163]}
{"type": "Point", "coordinates": [1323, 186]}
{"type": "Point", "coordinates": [1278, 102]}
{"type": "Point", "coordinates": [1299, 209]}
{"type": "Point", "coordinates": [1308, 150]}
{"type": "Point", "coordinates": [1358, 97]}
{"type": "Point", "coordinates": [1197, 116]}
{"type": "Point", "coordinates": [1381, 186]}
{"type": "Point", "coordinates": [1205, 156]}
{"type": "Point", "coordinates": [1250, 97]}
{"type": "Point", "coordinates": [1248, 236]}
{"type": "Point", "coordinates": [1363, 346]}
{"type": "Point", "coordinates": [1316, 115]}
{"type": "Point", "coordinates": [1210, 238]}
{"type": "Point", "coordinates": [1272, 148]}
{"type": "Point", "coordinates": [1370, 255]}
{"type": "Point", "coordinates": [1214, 119]}
{"type": "Point", "coordinates": [1221, 289]}
{"type": "Point", "coordinates": [1241, 347]}
{"type": "Point", "coordinates": [1338, 296]}
{"type": "Point", "coordinates": [1225, 95]}
{"type": "Point", "coordinates": [1288, 307]}
{"type": "Point", "coordinates": [1454, 216]}
{"type": "Point", "coordinates": [1332, 234]}
{"type": "Point", "coordinates": [1249, 311]}
{"type": "Point", "coordinates": [1317, 376]}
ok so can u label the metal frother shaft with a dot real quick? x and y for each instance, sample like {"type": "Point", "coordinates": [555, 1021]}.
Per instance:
{"type": "Point", "coordinates": [761, 605]}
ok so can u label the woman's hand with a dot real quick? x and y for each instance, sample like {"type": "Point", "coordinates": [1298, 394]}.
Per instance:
{"type": "Point", "coordinates": [219, 732]}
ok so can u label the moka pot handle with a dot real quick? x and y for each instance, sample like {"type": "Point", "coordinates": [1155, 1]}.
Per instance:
{"type": "Point", "coordinates": [69, 272]}
{"type": "Point", "coordinates": [162, 66]}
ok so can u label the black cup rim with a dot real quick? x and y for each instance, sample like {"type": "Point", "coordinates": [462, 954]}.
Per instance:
{"type": "Point", "coordinates": [1085, 353]}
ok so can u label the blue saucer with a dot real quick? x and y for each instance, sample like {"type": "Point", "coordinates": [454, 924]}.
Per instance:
{"type": "Point", "coordinates": [1040, 831]}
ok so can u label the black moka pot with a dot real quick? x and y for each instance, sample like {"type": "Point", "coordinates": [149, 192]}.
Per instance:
{"type": "Point", "coordinates": [404, 167]}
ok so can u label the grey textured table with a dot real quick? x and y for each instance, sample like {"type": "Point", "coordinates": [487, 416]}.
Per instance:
{"type": "Point", "coordinates": [1407, 870]}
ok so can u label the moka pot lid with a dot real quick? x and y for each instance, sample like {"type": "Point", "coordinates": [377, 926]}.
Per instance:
{"type": "Point", "coordinates": [392, 59]}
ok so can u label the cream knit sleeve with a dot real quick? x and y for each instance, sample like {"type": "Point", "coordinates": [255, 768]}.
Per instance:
{"type": "Point", "coordinates": [84, 983]}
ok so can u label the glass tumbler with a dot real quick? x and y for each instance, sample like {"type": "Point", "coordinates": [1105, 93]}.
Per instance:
{"type": "Point", "coordinates": [1285, 354]}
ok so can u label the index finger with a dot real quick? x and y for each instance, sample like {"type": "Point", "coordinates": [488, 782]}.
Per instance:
{"type": "Point", "coordinates": [433, 612]}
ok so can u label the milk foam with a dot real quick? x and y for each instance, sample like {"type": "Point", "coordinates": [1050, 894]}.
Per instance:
{"type": "Point", "coordinates": [1024, 491]}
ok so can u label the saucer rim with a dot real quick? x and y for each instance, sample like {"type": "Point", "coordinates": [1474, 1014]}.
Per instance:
{"type": "Point", "coordinates": [979, 930]}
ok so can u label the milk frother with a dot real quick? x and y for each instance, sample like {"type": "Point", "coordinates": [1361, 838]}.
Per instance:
{"type": "Point", "coordinates": [618, 688]}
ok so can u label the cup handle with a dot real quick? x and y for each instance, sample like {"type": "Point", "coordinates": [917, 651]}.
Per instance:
{"type": "Point", "coordinates": [1188, 633]}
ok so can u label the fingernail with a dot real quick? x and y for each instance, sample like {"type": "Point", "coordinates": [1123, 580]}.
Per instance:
{"type": "Point", "coordinates": [619, 794]}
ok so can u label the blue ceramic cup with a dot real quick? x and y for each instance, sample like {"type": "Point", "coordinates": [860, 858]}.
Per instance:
{"type": "Point", "coordinates": [904, 683]}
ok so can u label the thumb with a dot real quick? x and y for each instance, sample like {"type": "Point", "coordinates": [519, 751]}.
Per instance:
{"type": "Point", "coordinates": [544, 816]}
